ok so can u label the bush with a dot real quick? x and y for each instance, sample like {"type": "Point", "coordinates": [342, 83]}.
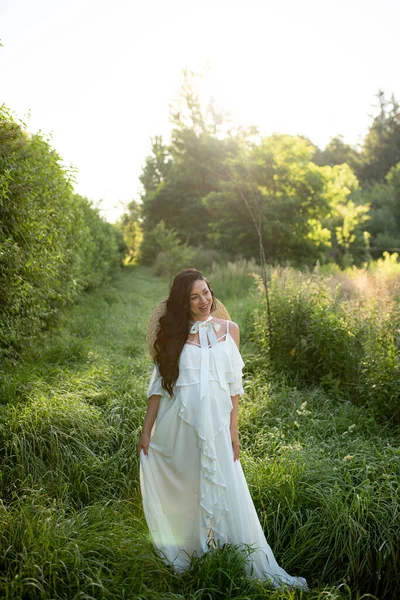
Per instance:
{"type": "Point", "coordinates": [173, 255]}
{"type": "Point", "coordinates": [234, 279]}
{"type": "Point", "coordinates": [205, 259]}
{"type": "Point", "coordinates": [317, 338]}
{"type": "Point", "coordinates": [53, 243]}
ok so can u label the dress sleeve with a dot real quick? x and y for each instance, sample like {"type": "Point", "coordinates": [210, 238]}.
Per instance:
{"type": "Point", "coordinates": [155, 386]}
{"type": "Point", "coordinates": [236, 386]}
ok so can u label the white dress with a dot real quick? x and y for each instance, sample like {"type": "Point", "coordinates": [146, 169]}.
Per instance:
{"type": "Point", "coordinates": [193, 492]}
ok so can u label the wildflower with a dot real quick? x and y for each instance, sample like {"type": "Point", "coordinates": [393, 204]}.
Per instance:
{"type": "Point", "coordinates": [348, 458]}
{"type": "Point", "coordinates": [302, 412]}
{"type": "Point", "coordinates": [293, 352]}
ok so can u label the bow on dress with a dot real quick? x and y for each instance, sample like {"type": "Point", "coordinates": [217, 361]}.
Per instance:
{"type": "Point", "coordinates": [207, 335]}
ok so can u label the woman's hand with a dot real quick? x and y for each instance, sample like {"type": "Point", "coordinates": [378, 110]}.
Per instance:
{"type": "Point", "coordinates": [143, 443]}
{"type": "Point", "coordinates": [235, 443]}
{"type": "Point", "coordinates": [151, 415]}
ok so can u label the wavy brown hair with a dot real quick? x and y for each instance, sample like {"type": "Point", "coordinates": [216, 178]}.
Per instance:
{"type": "Point", "coordinates": [174, 326]}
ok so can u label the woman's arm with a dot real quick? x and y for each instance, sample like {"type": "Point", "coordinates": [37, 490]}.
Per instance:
{"type": "Point", "coordinates": [151, 415]}
{"type": "Point", "coordinates": [234, 428]}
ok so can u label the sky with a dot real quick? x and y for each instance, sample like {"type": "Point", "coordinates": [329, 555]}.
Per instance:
{"type": "Point", "coordinates": [98, 76]}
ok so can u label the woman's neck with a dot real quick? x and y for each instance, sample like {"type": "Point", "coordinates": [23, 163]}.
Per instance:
{"type": "Point", "coordinates": [200, 320]}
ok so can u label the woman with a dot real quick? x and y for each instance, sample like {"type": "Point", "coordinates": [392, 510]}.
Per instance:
{"type": "Point", "coordinates": [193, 487]}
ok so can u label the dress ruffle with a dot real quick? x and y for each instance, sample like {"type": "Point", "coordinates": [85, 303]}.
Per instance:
{"type": "Point", "coordinates": [191, 486]}
{"type": "Point", "coordinates": [208, 418]}
{"type": "Point", "coordinates": [155, 385]}
{"type": "Point", "coordinates": [226, 367]}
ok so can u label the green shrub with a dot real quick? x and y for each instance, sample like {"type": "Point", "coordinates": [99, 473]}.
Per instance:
{"type": "Point", "coordinates": [234, 279]}
{"type": "Point", "coordinates": [316, 338]}
{"type": "Point", "coordinates": [205, 259]}
{"type": "Point", "coordinates": [173, 255]}
{"type": "Point", "coordinates": [53, 243]}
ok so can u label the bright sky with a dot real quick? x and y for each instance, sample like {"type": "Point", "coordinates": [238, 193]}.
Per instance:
{"type": "Point", "coordinates": [98, 75]}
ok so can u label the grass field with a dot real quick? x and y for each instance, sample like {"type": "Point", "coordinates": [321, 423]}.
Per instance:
{"type": "Point", "coordinates": [323, 473]}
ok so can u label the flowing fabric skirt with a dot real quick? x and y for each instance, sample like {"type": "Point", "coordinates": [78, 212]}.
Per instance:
{"type": "Point", "coordinates": [193, 491]}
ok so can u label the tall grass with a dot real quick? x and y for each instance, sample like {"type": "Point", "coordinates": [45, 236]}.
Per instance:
{"type": "Point", "coordinates": [339, 331]}
{"type": "Point", "coordinates": [234, 279]}
{"type": "Point", "coordinates": [233, 283]}
{"type": "Point", "coordinates": [324, 475]}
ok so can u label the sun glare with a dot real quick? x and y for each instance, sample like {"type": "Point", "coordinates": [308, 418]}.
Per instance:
{"type": "Point", "coordinates": [100, 77]}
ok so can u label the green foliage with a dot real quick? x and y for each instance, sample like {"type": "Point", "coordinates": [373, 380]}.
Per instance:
{"type": "Point", "coordinates": [325, 477]}
{"type": "Point", "coordinates": [322, 472]}
{"type": "Point", "coordinates": [177, 177]}
{"type": "Point", "coordinates": [384, 199]}
{"type": "Point", "coordinates": [130, 226]}
{"type": "Point", "coordinates": [53, 243]}
{"type": "Point", "coordinates": [306, 200]}
{"type": "Point", "coordinates": [200, 183]}
{"type": "Point", "coordinates": [303, 209]}
{"type": "Point", "coordinates": [279, 183]}
{"type": "Point", "coordinates": [346, 217]}
{"type": "Point", "coordinates": [381, 147]}
{"type": "Point", "coordinates": [178, 198]}
{"type": "Point", "coordinates": [205, 258]}
{"type": "Point", "coordinates": [234, 279]}
{"type": "Point", "coordinates": [351, 216]}
{"type": "Point", "coordinates": [337, 152]}
{"type": "Point", "coordinates": [173, 256]}
{"type": "Point", "coordinates": [348, 347]}
{"type": "Point", "coordinates": [309, 339]}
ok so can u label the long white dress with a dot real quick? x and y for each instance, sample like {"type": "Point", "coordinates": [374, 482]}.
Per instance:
{"type": "Point", "coordinates": [192, 489]}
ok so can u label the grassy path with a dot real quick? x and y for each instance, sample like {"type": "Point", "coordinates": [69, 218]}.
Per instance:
{"type": "Point", "coordinates": [71, 518]}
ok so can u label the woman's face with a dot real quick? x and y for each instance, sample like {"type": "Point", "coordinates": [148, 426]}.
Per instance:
{"type": "Point", "coordinates": [200, 301]}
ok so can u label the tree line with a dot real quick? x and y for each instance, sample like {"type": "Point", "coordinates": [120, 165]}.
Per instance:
{"type": "Point", "coordinates": [53, 242]}
{"type": "Point", "coordinates": [340, 204]}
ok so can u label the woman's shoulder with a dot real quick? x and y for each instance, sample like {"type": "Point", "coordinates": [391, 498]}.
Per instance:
{"type": "Point", "coordinates": [231, 327]}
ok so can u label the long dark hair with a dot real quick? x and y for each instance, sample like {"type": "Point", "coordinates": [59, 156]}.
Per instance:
{"type": "Point", "coordinates": [174, 326]}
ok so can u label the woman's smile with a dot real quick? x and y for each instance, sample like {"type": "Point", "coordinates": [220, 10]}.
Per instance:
{"type": "Point", "coordinates": [200, 300]}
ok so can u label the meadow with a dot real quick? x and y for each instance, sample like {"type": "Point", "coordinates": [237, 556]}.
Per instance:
{"type": "Point", "coordinates": [319, 434]}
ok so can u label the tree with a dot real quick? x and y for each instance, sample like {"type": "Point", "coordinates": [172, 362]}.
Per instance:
{"type": "Point", "coordinates": [381, 148]}
{"type": "Point", "coordinates": [347, 213]}
{"type": "Point", "coordinates": [337, 152]}
{"type": "Point", "coordinates": [384, 199]}
{"type": "Point", "coordinates": [177, 178]}
{"type": "Point", "coordinates": [131, 228]}
{"type": "Point", "coordinates": [53, 243]}
{"type": "Point", "coordinates": [286, 191]}
{"type": "Point", "coordinates": [172, 255]}
{"type": "Point", "coordinates": [156, 166]}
